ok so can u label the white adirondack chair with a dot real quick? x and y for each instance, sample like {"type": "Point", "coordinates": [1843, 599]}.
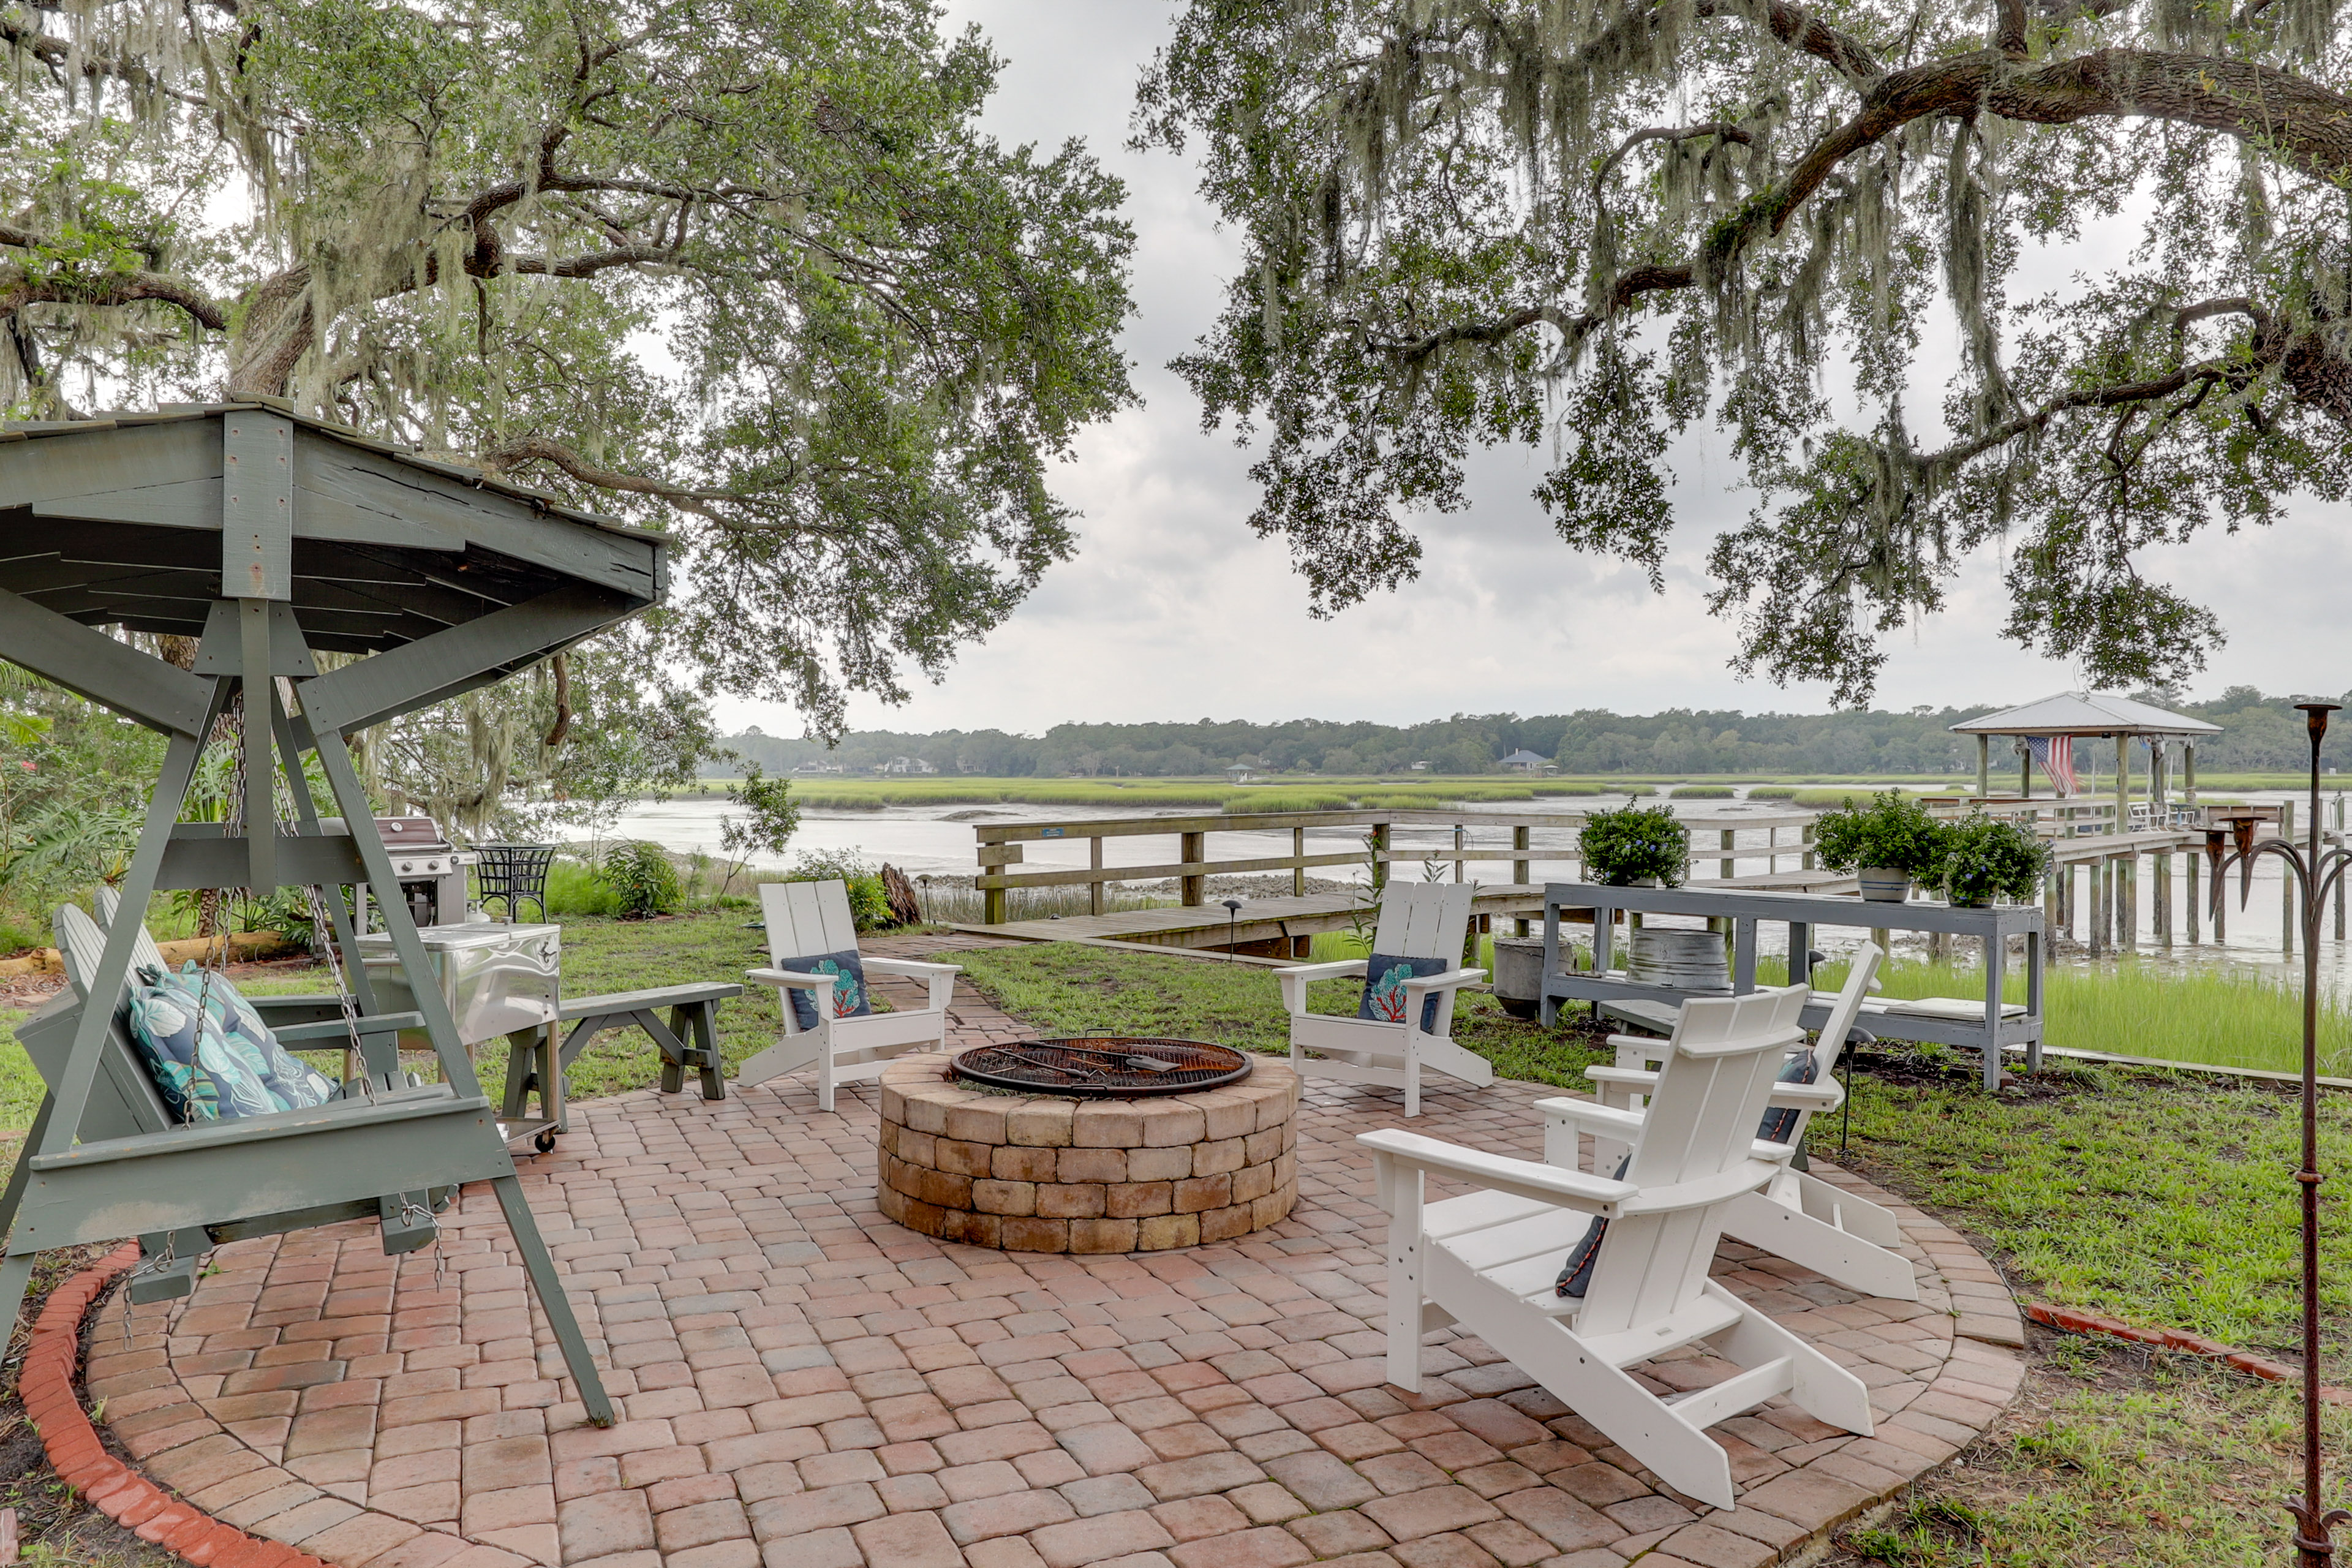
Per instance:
{"type": "Point", "coordinates": [1488, 1261]}
{"type": "Point", "coordinates": [1800, 1217]}
{"type": "Point", "coordinates": [807, 921]}
{"type": "Point", "coordinates": [1418, 920]}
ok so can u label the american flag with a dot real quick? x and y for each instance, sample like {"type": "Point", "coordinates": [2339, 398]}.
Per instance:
{"type": "Point", "coordinates": [2054, 756]}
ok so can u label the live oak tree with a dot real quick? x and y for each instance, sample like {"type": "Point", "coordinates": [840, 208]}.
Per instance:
{"type": "Point", "coordinates": [745, 268]}
{"type": "Point", "coordinates": [1592, 223]}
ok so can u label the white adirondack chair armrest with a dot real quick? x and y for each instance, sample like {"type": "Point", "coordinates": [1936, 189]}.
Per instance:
{"type": "Point", "coordinates": [1606, 1120]}
{"type": "Point", "coordinates": [1337, 969]}
{"type": "Point", "coordinates": [1733, 1048]}
{"type": "Point", "coordinates": [1707, 1191]}
{"type": "Point", "coordinates": [793, 977]}
{"type": "Point", "coordinates": [1500, 1172]}
{"type": "Point", "coordinates": [1448, 981]}
{"type": "Point", "coordinates": [912, 967]}
{"type": "Point", "coordinates": [1827, 1096]}
{"type": "Point", "coordinates": [939, 978]}
{"type": "Point", "coordinates": [1657, 1049]}
{"type": "Point", "coordinates": [1296, 977]}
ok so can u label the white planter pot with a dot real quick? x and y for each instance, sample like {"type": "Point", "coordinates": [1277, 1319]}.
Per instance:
{"type": "Point", "coordinates": [1884, 884]}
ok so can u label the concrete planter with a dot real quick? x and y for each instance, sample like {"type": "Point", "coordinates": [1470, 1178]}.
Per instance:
{"type": "Point", "coordinates": [1518, 975]}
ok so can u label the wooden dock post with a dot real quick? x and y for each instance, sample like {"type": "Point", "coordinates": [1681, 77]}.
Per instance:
{"type": "Point", "coordinates": [2163, 859]}
{"type": "Point", "coordinates": [1805, 838]}
{"type": "Point", "coordinates": [1193, 848]}
{"type": "Point", "coordinates": [1298, 873]}
{"type": "Point", "coordinates": [2189, 864]}
{"type": "Point", "coordinates": [1094, 863]}
{"type": "Point", "coordinates": [1522, 872]}
{"type": "Point", "coordinates": [2287, 886]}
{"type": "Point", "coordinates": [2050, 906]}
{"type": "Point", "coordinates": [2097, 925]}
{"type": "Point", "coordinates": [1378, 839]}
{"type": "Point", "coordinates": [1723, 865]}
{"type": "Point", "coordinates": [2128, 906]}
{"type": "Point", "coordinates": [1458, 846]}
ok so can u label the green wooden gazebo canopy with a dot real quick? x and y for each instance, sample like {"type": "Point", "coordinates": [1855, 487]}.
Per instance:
{"type": "Point", "coordinates": [267, 535]}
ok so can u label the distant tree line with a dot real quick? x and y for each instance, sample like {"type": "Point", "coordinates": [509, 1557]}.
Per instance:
{"type": "Point", "coordinates": [2259, 733]}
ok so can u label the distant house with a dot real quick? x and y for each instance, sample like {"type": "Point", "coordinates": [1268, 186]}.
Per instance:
{"type": "Point", "coordinates": [1421, 767]}
{"type": "Point", "coordinates": [1527, 762]}
{"type": "Point", "coordinates": [906, 765]}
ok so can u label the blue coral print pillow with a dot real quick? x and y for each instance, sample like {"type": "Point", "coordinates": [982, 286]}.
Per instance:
{"type": "Point", "coordinates": [1385, 994]}
{"type": "Point", "coordinates": [849, 999]}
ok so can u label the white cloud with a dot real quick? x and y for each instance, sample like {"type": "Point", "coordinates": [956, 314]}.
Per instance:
{"type": "Point", "coordinates": [1173, 609]}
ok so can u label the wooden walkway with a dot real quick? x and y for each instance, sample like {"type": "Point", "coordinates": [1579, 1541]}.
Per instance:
{"type": "Point", "coordinates": [1280, 928]}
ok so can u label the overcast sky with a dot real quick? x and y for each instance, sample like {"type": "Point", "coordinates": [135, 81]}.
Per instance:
{"type": "Point", "coordinates": [1174, 610]}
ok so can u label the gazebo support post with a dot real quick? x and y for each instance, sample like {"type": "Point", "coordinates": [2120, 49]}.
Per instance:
{"type": "Point", "coordinates": [2123, 783]}
{"type": "Point", "coordinates": [1984, 766]}
{"type": "Point", "coordinates": [2188, 771]}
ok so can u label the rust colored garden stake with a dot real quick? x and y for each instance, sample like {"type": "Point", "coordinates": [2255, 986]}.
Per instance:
{"type": "Point", "coordinates": [2316, 871]}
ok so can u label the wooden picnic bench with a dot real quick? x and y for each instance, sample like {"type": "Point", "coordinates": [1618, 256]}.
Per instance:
{"type": "Point", "coordinates": [690, 1038]}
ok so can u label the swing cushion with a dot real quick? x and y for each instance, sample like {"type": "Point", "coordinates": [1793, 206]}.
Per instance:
{"type": "Point", "coordinates": [217, 1061]}
{"type": "Point", "coordinates": [1779, 1124]}
{"type": "Point", "coordinates": [847, 998]}
{"type": "Point", "coordinates": [1384, 993]}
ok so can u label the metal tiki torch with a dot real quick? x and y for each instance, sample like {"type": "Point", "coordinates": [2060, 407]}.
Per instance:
{"type": "Point", "coordinates": [2315, 870]}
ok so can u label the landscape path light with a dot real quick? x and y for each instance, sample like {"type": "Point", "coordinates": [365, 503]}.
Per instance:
{"type": "Point", "coordinates": [2315, 870]}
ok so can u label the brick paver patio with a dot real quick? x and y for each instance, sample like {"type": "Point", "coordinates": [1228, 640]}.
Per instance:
{"type": "Point", "coordinates": [804, 1384]}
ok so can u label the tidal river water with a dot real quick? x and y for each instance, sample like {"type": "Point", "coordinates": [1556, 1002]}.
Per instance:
{"type": "Point", "coordinates": [938, 840]}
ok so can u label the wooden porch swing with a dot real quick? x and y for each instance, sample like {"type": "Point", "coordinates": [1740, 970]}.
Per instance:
{"type": "Point", "coordinates": [267, 535]}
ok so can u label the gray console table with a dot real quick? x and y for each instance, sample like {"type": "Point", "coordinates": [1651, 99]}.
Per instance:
{"type": "Point", "coordinates": [1990, 1035]}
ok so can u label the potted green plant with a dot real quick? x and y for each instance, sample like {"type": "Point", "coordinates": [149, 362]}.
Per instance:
{"type": "Point", "coordinates": [1984, 857]}
{"type": "Point", "coordinates": [1634, 846]}
{"type": "Point", "coordinates": [1886, 843]}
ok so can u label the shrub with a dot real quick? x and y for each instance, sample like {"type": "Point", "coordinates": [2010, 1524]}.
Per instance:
{"type": "Point", "coordinates": [1985, 856]}
{"type": "Point", "coordinates": [1623, 845]}
{"type": "Point", "coordinates": [577, 887]}
{"type": "Point", "coordinates": [869, 905]}
{"type": "Point", "coordinates": [1892, 831]}
{"type": "Point", "coordinates": [643, 878]}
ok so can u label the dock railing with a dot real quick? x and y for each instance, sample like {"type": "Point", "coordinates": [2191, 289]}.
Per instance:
{"type": "Point", "coordinates": [1001, 847]}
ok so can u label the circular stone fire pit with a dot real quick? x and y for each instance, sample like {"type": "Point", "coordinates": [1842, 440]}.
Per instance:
{"type": "Point", "coordinates": [1054, 1174]}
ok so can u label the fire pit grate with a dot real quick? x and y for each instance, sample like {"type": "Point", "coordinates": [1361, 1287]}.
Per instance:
{"type": "Point", "coordinates": [1104, 1066]}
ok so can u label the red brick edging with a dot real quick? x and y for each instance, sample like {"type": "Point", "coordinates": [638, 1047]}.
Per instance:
{"type": "Point", "coordinates": [113, 1487]}
{"type": "Point", "coordinates": [2075, 1321]}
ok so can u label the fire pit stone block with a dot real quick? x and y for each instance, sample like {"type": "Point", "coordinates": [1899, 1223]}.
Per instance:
{"type": "Point", "coordinates": [1046, 1175]}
